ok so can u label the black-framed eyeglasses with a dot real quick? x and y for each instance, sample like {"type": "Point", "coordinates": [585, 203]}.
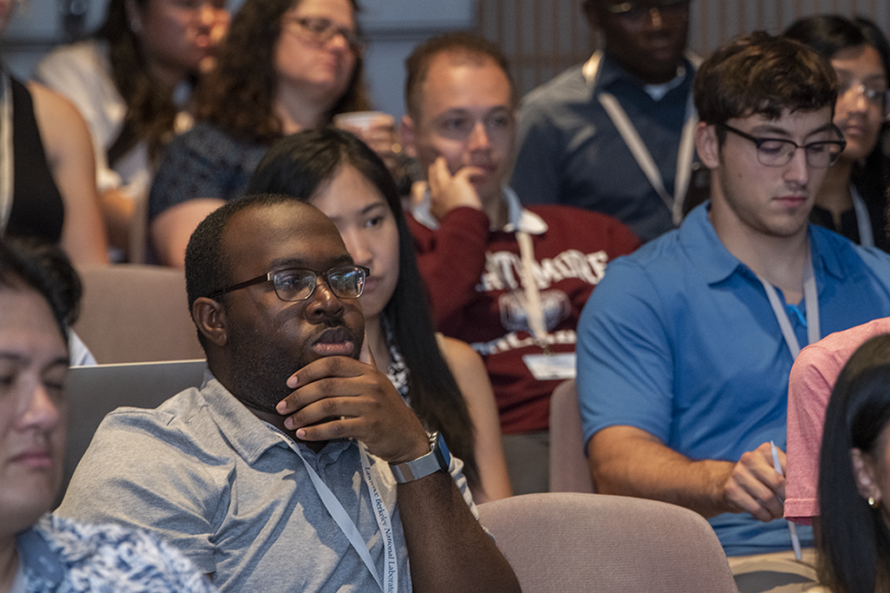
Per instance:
{"type": "Point", "coordinates": [346, 281]}
{"type": "Point", "coordinates": [778, 152]}
{"type": "Point", "coordinates": [637, 10]}
{"type": "Point", "coordinates": [321, 30]}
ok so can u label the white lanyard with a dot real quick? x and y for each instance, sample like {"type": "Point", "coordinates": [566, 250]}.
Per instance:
{"type": "Point", "coordinates": [533, 307]}
{"type": "Point", "coordinates": [638, 148]}
{"type": "Point", "coordinates": [6, 149]}
{"type": "Point", "coordinates": [811, 296]}
{"type": "Point", "coordinates": [863, 220]}
{"type": "Point", "coordinates": [346, 524]}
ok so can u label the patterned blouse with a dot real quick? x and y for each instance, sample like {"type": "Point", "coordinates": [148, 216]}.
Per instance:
{"type": "Point", "coordinates": [62, 556]}
{"type": "Point", "coordinates": [397, 370]}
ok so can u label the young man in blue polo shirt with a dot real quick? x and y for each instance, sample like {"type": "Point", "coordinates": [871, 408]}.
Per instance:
{"type": "Point", "coordinates": [685, 347]}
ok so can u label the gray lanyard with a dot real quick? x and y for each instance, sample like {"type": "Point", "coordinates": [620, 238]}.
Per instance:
{"type": "Point", "coordinates": [638, 148]}
{"type": "Point", "coordinates": [863, 221]}
{"type": "Point", "coordinates": [811, 296]}
{"type": "Point", "coordinates": [390, 584]}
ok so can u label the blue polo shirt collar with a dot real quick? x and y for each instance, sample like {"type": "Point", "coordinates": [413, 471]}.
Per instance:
{"type": "Point", "coordinates": [716, 263]}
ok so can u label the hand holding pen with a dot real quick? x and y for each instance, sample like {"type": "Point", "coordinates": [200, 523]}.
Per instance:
{"type": "Point", "coordinates": [777, 464]}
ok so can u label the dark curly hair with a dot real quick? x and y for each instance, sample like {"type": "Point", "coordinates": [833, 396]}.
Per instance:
{"type": "Point", "coordinates": [238, 96]}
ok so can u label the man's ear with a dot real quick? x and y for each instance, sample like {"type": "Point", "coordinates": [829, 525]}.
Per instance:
{"type": "Point", "coordinates": [407, 132]}
{"type": "Point", "coordinates": [210, 318]}
{"type": "Point", "coordinates": [864, 473]}
{"type": "Point", "coordinates": [707, 144]}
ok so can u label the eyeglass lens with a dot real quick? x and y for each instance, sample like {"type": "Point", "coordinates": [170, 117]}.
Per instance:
{"type": "Point", "coordinates": [874, 96]}
{"type": "Point", "coordinates": [298, 284]}
{"type": "Point", "coordinates": [776, 153]}
{"type": "Point", "coordinates": [639, 10]}
{"type": "Point", "coordinates": [323, 30]}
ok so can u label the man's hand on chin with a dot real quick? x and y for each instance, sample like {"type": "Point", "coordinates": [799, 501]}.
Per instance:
{"type": "Point", "coordinates": [338, 397]}
{"type": "Point", "coordinates": [448, 191]}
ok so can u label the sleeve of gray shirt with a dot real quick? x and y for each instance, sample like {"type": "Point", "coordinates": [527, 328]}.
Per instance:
{"type": "Point", "coordinates": [180, 507]}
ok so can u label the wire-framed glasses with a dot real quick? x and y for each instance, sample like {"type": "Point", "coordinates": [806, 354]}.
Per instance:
{"type": "Point", "coordinates": [346, 281]}
{"type": "Point", "coordinates": [320, 30]}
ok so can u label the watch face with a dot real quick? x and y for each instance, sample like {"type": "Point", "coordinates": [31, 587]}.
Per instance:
{"type": "Point", "coordinates": [440, 448]}
{"type": "Point", "coordinates": [439, 458]}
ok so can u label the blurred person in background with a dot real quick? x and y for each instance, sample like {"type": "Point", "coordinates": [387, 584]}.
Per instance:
{"type": "Point", "coordinates": [47, 178]}
{"type": "Point", "coordinates": [285, 66]}
{"type": "Point", "coordinates": [132, 81]}
{"type": "Point", "coordinates": [852, 199]}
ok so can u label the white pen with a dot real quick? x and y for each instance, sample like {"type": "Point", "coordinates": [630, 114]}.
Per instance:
{"type": "Point", "coordinates": [777, 464]}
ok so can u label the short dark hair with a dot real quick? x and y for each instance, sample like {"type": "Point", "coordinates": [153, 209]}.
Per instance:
{"type": "Point", "coordinates": [45, 269]}
{"type": "Point", "coordinates": [207, 263]}
{"type": "Point", "coordinates": [299, 165]}
{"type": "Point", "coordinates": [854, 541]}
{"type": "Point", "coordinates": [831, 33]}
{"type": "Point", "coordinates": [760, 74]}
{"type": "Point", "coordinates": [464, 45]}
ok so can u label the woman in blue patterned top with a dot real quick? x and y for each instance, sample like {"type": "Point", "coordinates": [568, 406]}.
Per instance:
{"type": "Point", "coordinates": [39, 293]}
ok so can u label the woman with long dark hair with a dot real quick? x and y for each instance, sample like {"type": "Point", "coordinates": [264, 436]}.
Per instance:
{"type": "Point", "coordinates": [852, 198]}
{"type": "Point", "coordinates": [854, 475]}
{"type": "Point", "coordinates": [132, 81]}
{"type": "Point", "coordinates": [443, 380]}
{"type": "Point", "coordinates": [285, 66]}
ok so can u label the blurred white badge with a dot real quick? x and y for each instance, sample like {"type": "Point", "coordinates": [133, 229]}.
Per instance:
{"type": "Point", "coordinates": [547, 367]}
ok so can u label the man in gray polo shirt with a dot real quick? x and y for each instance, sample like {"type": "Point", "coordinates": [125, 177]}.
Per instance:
{"type": "Point", "coordinates": [296, 466]}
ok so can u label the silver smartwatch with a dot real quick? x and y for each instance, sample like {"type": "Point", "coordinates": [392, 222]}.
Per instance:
{"type": "Point", "coordinates": [439, 458]}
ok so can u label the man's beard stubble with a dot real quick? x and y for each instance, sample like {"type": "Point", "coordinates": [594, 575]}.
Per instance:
{"type": "Point", "coordinates": [260, 372]}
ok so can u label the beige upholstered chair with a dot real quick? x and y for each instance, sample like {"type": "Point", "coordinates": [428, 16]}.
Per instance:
{"type": "Point", "coordinates": [574, 542]}
{"type": "Point", "coordinates": [94, 391]}
{"type": "Point", "coordinates": [136, 313]}
{"type": "Point", "coordinates": [568, 464]}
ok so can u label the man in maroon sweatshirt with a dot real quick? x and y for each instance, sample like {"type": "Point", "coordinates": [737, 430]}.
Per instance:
{"type": "Point", "coordinates": [509, 280]}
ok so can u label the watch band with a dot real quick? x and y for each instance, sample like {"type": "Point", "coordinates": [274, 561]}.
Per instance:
{"type": "Point", "coordinates": [439, 458]}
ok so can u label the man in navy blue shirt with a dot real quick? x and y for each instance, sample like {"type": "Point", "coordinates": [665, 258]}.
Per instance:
{"type": "Point", "coordinates": [685, 347]}
{"type": "Point", "coordinates": [615, 135]}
